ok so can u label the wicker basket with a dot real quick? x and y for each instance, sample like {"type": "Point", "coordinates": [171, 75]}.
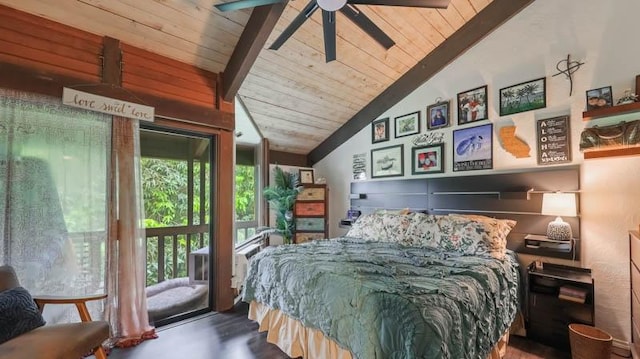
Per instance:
{"type": "Point", "coordinates": [589, 342]}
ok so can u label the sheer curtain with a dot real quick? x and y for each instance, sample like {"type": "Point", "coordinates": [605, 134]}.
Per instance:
{"type": "Point", "coordinates": [53, 197]}
{"type": "Point", "coordinates": [69, 206]}
{"type": "Point", "coordinates": [127, 310]}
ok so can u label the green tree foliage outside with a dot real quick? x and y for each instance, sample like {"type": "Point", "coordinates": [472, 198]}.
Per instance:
{"type": "Point", "coordinates": [165, 193]}
{"type": "Point", "coordinates": [245, 198]}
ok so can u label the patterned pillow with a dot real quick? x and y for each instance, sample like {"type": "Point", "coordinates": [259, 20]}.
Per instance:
{"type": "Point", "coordinates": [475, 234]}
{"type": "Point", "coordinates": [468, 234]}
{"type": "Point", "coordinates": [381, 227]}
{"type": "Point", "coordinates": [422, 230]}
{"type": "Point", "coordinates": [18, 313]}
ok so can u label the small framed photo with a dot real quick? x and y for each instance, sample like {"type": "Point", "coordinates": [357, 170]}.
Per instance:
{"type": "Point", "coordinates": [472, 105]}
{"type": "Point", "coordinates": [408, 124]}
{"type": "Point", "coordinates": [526, 96]}
{"type": "Point", "coordinates": [473, 148]}
{"type": "Point", "coordinates": [427, 159]}
{"type": "Point", "coordinates": [306, 176]}
{"type": "Point", "coordinates": [380, 130]}
{"type": "Point", "coordinates": [438, 115]}
{"type": "Point", "coordinates": [387, 161]}
{"type": "Point", "coordinates": [599, 98]}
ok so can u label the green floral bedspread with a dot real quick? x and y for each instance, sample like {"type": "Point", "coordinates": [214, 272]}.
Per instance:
{"type": "Point", "coordinates": [384, 300]}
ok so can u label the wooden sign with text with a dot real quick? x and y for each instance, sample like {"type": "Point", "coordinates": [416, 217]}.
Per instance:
{"type": "Point", "coordinates": [554, 140]}
{"type": "Point", "coordinates": [111, 106]}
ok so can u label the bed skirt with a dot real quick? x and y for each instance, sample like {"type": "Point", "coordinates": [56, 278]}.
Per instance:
{"type": "Point", "coordinates": [296, 340]}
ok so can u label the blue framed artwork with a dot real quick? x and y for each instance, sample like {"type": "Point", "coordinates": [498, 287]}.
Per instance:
{"type": "Point", "coordinates": [473, 148]}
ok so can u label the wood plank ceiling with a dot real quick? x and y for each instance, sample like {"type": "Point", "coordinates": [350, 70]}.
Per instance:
{"type": "Point", "coordinates": [296, 99]}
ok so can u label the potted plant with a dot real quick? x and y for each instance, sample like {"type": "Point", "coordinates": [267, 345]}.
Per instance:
{"type": "Point", "coordinates": [281, 197]}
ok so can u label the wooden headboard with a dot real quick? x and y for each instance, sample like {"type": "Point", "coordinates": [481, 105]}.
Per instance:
{"type": "Point", "coordinates": [510, 195]}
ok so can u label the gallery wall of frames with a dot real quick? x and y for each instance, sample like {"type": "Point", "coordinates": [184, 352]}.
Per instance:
{"type": "Point", "coordinates": [473, 135]}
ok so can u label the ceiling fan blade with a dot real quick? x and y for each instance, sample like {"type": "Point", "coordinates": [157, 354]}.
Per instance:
{"type": "Point", "coordinates": [295, 24]}
{"type": "Point", "coordinates": [436, 4]}
{"type": "Point", "coordinates": [329, 27]}
{"type": "Point", "coordinates": [367, 26]}
{"type": "Point", "coordinates": [243, 4]}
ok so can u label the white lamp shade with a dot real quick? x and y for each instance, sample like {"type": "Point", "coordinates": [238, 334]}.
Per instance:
{"type": "Point", "coordinates": [559, 204]}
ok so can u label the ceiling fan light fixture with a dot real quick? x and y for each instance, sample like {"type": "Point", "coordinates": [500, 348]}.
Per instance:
{"type": "Point", "coordinates": [331, 5]}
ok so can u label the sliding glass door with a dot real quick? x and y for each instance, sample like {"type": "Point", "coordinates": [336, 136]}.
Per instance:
{"type": "Point", "coordinates": [177, 189]}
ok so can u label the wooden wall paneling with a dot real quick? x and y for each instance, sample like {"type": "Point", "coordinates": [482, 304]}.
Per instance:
{"type": "Point", "coordinates": [92, 19]}
{"type": "Point", "coordinates": [47, 29]}
{"type": "Point", "coordinates": [37, 43]}
{"type": "Point", "coordinates": [31, 71]}
{"type": "Point", "coordinates": [170, 89]}
{"type": "Point", "coordinates": [288, 159]}
{"type": "Point", "coordinates": [161, 72]}
{"type": "Point", "coordinates": [45, 82]}
{"type": "Point", "coordinates": [23, 39]}
{"type": "Point", "coordinates": [170, 78]}
{"type": "Point", "coordinates": [223, 229]}
{"type": "Point", "coordinates": [181, 69]}
{"type": "Point", "coordinates": [155, 15]}
{"type": "Point", "coordinates": [48, 59]}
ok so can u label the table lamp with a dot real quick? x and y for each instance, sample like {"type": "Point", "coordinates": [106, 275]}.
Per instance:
{"type": "Point", "coordinates": [559, 204]}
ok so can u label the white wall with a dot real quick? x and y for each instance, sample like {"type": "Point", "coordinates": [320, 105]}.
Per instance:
{"type": "Point", "coordinates": [525, 48]}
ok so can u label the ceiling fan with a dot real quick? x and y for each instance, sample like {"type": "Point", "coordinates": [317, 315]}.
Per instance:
{"type": "Point", "coordinates": [329, 8]}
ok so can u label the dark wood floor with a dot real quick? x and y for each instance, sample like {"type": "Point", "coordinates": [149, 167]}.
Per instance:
{"type": "Point", "coordinates": [232, 335]}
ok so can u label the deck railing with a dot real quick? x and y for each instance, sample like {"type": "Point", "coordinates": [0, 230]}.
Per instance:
{"type": "Point", "coordinates": [168, 250]}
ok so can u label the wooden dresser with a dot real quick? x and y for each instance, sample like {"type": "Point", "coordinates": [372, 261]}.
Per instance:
{"type": "Point", "coordinates": [634, 267]}
{"type": "Point", "coordinates": [310, 213]}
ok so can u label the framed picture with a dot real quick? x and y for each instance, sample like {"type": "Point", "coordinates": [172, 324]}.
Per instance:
{"type": "Point", "coordinates": [554, 140]}
{"type": "Point", "coordinates": [380, 130]}
{"type": "Point", "coordinates": [438, 115]}
{"type": "Point", "coordinates": [473, 148]}
{"type": "Point", "coordinates": [526, 96]}
{"type": "Point", "coordinates": [306, 176]}
{"type": "Point", "coordinates": [599, 98]}
{"type": "Point", "coordinates": [472, 105]}
{"type": "Point", "coordinates": [387, 161]}
{"type": "Point", "coordinates": [408, 124]}
{"type": "Point", "coordinates": [427, 159]}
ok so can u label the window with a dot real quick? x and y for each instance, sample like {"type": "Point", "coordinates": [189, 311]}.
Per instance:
{"type": "Point", "coordinates": [246, 194]}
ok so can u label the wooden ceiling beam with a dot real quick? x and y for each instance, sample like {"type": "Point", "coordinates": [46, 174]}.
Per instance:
{"type": "Point", "coordinates": [487, 20]}
{"type": "Point", "coordinates": [262, 21]}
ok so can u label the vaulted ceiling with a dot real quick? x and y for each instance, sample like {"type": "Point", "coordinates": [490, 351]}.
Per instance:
{"type": "Point", "coordinates": [296, 99]}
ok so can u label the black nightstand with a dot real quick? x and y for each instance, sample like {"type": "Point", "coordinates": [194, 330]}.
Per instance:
{"type": "Point", "coordinates": [556, 296]}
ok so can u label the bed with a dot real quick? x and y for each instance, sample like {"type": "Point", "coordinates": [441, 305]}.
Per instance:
{"type": "Point", "coordinates": [397, 286]}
